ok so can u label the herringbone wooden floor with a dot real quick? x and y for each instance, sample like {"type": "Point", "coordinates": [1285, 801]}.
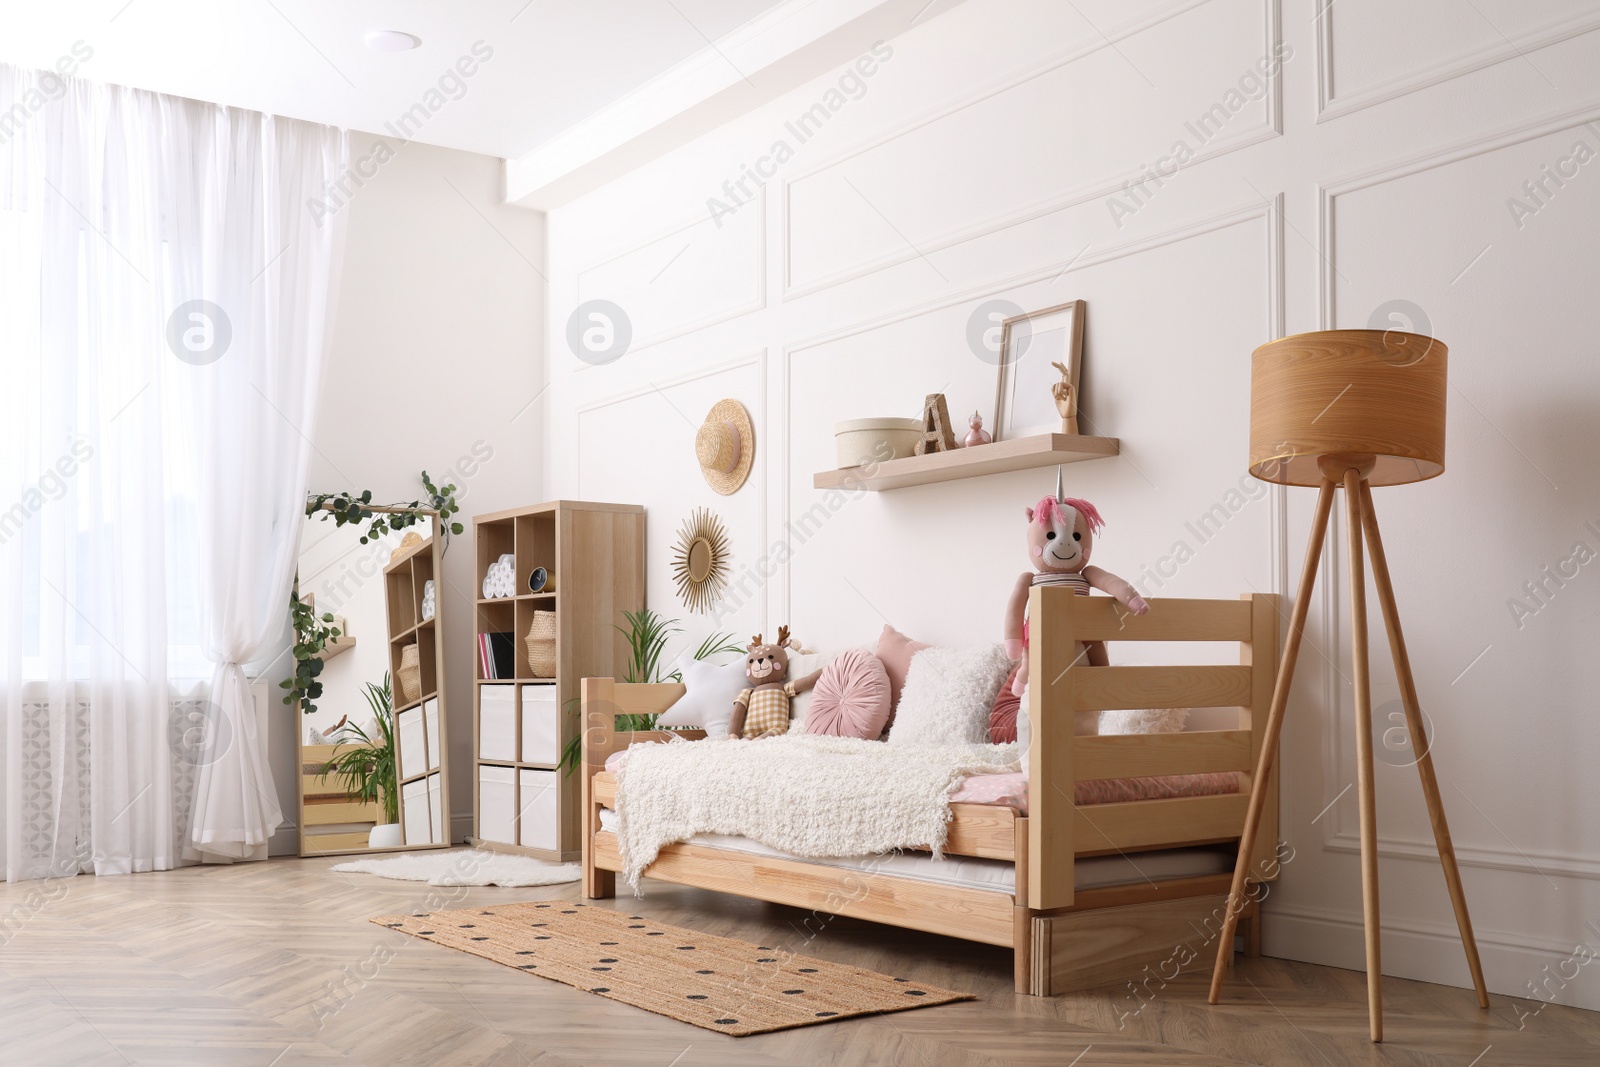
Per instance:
{"type": "Point", "coordinates": [275, 964]}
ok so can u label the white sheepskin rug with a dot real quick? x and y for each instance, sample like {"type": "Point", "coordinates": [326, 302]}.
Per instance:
{"type": "Point", "coordinates": [465, 868]}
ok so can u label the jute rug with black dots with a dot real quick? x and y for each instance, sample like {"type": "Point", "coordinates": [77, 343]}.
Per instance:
{"type": "Point", "coordinates": [717, 983]}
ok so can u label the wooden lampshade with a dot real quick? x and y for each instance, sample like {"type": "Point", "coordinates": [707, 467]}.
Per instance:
{"type": "Point", "coordinates": [1373, 396]}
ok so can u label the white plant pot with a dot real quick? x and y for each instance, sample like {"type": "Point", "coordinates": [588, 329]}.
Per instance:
{"type": "Point", "coordinates": [386, 836]}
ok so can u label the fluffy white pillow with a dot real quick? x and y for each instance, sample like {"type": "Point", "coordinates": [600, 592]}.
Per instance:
{"type": "Point", "coordinates": [707, 702]}
{"type": "Point", "coordinates": [1144, 721]}
{"type": "Point", "coordinates": [948, 694]}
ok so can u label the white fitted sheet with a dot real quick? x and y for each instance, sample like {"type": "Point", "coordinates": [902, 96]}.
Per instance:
{"type": "Point", "coordinates": [971, 872]}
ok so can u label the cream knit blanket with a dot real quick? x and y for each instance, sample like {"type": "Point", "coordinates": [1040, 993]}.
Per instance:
{"type": "Point", "coordinates": [802, 793]}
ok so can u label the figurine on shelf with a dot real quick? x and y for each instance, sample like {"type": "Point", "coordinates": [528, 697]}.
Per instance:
{"type": "Point", "coordinates": [937, 436]}
{"type": "Point", "coordinates": [1066, 398]}
{"type": "Point", "coordinates": [1061, 533]}
{"type": "Point", "coordinates": [976, 435]}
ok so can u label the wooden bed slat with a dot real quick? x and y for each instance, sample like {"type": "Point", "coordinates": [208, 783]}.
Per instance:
{"type": "Point", "coordinates": [1105, 688]}
{"type": "Point", "coordinates": [975, 914]}
{"type": "Point", "coordinates": [1176, 619]}
{"type": "Point", "coordinates": [1143, 755]}
{"type": "Point", "coordinates": [1142, 824]}
{"type": "Point", "coordinates": [986, 830]}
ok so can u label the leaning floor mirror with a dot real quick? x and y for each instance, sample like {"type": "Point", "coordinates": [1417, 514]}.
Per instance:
{"type": "Point", "coordinates": [373, 750]}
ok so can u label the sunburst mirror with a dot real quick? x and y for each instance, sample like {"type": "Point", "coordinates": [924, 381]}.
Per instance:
{"type": "Point", "coordinates": [700, 560]}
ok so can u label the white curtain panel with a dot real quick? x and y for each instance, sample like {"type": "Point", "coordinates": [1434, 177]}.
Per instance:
{"type": "Point", "coordinates": [164, 299]}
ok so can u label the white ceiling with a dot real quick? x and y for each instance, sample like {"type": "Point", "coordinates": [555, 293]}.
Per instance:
{"type": "Point", "coordinates": [555, 62]}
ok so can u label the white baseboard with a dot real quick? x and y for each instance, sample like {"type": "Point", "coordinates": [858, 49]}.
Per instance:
{"type": "Point", "coordinates": [1432, 953]}
{"type": "Point", "coordinates": [460, 827]}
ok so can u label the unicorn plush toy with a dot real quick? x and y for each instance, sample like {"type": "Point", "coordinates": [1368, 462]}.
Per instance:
{"type": "Point", "coordinates": [1061, 533]}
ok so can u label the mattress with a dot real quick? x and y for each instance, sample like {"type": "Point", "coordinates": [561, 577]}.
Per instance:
{"type": "Point", "coordinates": [970, 872]}
{"type": "Point", "coordinates": [1011, 790]}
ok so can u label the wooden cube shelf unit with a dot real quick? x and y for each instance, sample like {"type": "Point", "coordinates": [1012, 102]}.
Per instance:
{"type": "Point", "coordinates": [1022, 453]}
{"type": "Point", "coordinates": [522, 801]}
{"type": "Point", "coordinates": [427, 785]}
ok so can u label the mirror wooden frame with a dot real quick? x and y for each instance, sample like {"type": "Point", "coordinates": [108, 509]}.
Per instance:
{"type": "Point", "coordinates": [403, 625]}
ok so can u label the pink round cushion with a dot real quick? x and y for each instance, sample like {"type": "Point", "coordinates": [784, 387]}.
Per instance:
{"type": "Point", "coordinates": [851, 699]}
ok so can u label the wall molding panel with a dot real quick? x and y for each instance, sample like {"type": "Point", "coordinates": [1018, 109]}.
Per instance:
{"type": "Point", "coordinates": [1331, 106]}
{"type": "Point", "coordinates": [1271, 127]}
{"type": "Point", "coordinates": [757, 265]}
{"type": "Point", "coordinates": [1269, 213]}
{"type": "Point", "coordinates": [1327, 193]}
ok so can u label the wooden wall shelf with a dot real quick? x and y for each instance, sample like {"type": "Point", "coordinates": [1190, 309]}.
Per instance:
{"type": "Point", "coordinates": [1024, 453]}
{"type": "Point", "coordinates": [342, 643]}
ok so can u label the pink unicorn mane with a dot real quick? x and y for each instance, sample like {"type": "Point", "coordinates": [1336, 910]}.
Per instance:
{"type": "Point", "coordinates": [1049, 508]}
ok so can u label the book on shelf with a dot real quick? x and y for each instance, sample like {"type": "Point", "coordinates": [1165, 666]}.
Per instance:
{"type": "Point", "coordinates": [497, 655]}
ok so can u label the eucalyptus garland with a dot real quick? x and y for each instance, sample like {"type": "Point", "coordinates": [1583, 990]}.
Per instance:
{"type": "Point", "coordinates": [351, 508]}
{"type": "Point", "coordinates": [312, 632]}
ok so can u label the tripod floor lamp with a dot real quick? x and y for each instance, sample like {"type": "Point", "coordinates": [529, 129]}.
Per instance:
{"type": "Point", "coordinates": [1351, 409]}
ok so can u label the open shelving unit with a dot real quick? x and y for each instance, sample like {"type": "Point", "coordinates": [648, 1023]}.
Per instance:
{"type": "Point", "coordinates": [997, 457]}
{"type": "Point", "coordinates": [420, 721]}
{"type": "Point", "coordinates": [522, 800]}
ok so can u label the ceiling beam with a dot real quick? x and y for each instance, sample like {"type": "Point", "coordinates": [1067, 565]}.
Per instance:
{"type": "Point", "coordinates": [762, 60]}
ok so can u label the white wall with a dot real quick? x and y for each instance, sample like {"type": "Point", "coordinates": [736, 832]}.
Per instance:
{"type": "Point", "coordinates": [437, 353]}
{"type": "Point", "coordinates": [978, 164]}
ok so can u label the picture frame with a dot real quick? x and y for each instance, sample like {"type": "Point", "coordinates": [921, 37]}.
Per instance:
{"type": "Point", "coordinates": [1033, 346]}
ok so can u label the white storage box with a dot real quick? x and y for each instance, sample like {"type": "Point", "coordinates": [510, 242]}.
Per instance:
{"type": "Point", "coordinates": [430, 715]}
{"type": "Point", "coordinates": [497, 804]}
{"type": "Point", "coordinates": [862, 441]}
{"type": "Point", "coordinates": [537, 827]}
{"type": "Point", "coordinates": [540, 726]}
{"type": "Point", "coordinates": [497, 723]}
{"type": "Point", "coordinates": [436, 809]}
{"type": "Point", "coordinates": [413, 744]}
{"type": "Point", "coordinates": [414, 814]}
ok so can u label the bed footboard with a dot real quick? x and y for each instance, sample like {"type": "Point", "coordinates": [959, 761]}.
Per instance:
{"type": "Point", "coordinates": [1064, 684]}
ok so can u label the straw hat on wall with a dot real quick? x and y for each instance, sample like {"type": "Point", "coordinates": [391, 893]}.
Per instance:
{"type": "Point", "coordinates": [726, 446]}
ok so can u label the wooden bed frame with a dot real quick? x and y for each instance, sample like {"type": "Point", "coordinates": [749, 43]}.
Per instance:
{"type": "Point", "coordinates": [1063, 939]}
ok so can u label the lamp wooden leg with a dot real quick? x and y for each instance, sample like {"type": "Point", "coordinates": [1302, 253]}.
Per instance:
{"type": "Point", "coordinates": [1366, 789]}
{"type": "Point", "coordinates": [1419, 741]}
{"type": "Point", "coordinates": [1269, 738]}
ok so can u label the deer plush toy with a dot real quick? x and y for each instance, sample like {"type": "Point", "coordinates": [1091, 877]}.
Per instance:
{"type": "Point", "coordinates": [763, 709]}
{"type": "Point", "coordinates": [1061, 534]}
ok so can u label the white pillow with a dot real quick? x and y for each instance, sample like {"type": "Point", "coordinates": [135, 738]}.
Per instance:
{"type": "Point", "coordinates": [1144, 721]}
{"type": "Point", "coordinates": [707, 702]}
{"type": "Point", "coordinates": [948, 695]}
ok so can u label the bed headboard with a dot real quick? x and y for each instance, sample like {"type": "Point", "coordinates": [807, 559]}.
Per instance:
{"type": "Point", "coordinates": [1058, 830]}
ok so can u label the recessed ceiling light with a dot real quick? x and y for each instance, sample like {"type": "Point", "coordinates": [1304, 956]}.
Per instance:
{"type": "Point", "coordinates": [391, 41]}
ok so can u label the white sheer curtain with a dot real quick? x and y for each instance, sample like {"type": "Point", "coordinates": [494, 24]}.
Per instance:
{"type": "Point", "coordinates": [164, 293]}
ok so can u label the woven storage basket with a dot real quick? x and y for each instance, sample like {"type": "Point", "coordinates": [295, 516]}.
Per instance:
{"type": "Point", "coordinates": [410, 673]}
{"type": "Point", "coordinates": [542, 644]}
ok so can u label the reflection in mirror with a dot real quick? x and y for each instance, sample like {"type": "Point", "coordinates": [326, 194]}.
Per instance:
{"type": "Point", "coordinates": [372, 767]}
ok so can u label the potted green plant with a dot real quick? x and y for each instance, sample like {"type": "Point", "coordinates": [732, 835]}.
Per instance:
{"type": "Point", "coordinates": [647, 634]}
{"type": "Point", "coordinates": [366, 765]}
